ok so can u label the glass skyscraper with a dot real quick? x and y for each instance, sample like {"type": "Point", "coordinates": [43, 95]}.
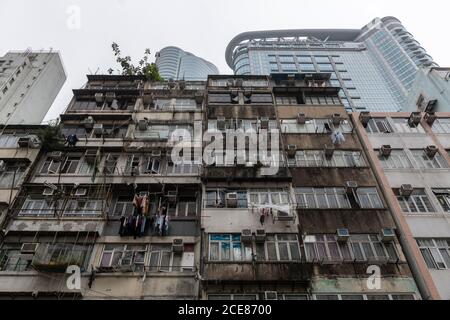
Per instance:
{"type": "Point", "coordinates": [177, 64]}
{"type": "Point", "coordinates": [376, 66]}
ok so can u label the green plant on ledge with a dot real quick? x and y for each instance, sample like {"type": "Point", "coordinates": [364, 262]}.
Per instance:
{"type": "Point", "coordinates": [145, 68]}
{"type": "Point", "coordinates": [51, 136]}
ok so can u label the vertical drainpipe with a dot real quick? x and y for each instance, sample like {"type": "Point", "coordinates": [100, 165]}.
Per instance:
{"type": "Point", "coordinates": [409, 245]}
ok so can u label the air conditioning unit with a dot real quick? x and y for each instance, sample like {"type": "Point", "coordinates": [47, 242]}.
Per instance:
{"type": "Point", "coordinates": [364, 118]}
{"type": "Point", "coordinates": [182, 85]}
{"type": "Point", "coordinates": [142, 125]}
{"type": "Point", "coordinates": [260, 235]}
{"type": "Point", "coordinates": [171, 196]}
{"type": "Point", "coordinates": [115, 105]}
{"type": "Point", "coordinates": [56, 156]}
{"type": "Point", "coordinates": [264, 123]}
{"type": "Point", "coordinates": [301, 118]}
{"type": "Point", "coordinates": [90, 155]}
{"type": "Point", "coordinates": [343, 235]}
{"type": "Point", "coordinates": [221, 123]}
{"type": "Point", "coordinates": [234, 96]}
{"type": "Point", "coordinates": [430, 118]}
{"type": "Point", "coordinates": [156, 153]}
{"type": "Point", "coordinates": [328, 151]}
{"type": "Point", "coordinates": [48, 192]}
{"type": "Point", "coordinates": [177, 245]}
{"type": "Point", "coordinates": [336, 119]}
{"type": "Point", "coordinates": [431, 151]}
{"type": "Point", "coordinates": [99, 98]}
{"type": "Point", "coordinates": [431, 105]}
{"type": "Point", "coordinates": [246, 236]}
{"type": "Point", "coordinates": [414, 119]}
{"type": "Point", "coordinates": [2, 165]}
{"type": "Point", "coordinates": [385, 151]}
{"type": "Point", "coordinates": [88, 122]}
{"type": "Point", "coordinates": [291, 150]}
{"type": "Point", "coordinates": [351, 187]}
{"type": "Point", "coordinates": [270, 295]}
{"type": "Point", "coordinates": [110, 96]}
{"type": "Point", "coordinates": [80, 192]}
{"type": "Point", "coordinates": [29, 248]}
{"type": "Point", "coordinates": [98, 128]}
{"type": "Point", "coordinates": [387, 235]}
{"type": "Point", "coordinates": [24, 142]}
{"type": "Point", "coordinates": [406, 190]}
{"type": "Point", "coordinates": [231, 200]}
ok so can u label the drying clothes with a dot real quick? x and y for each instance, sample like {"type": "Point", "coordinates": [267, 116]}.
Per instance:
{"type": "Point", "coordinates": [337, 138]}
{"type": "Point", "coordinates": [137, 201]}
{"type": "Point", "coordinates": [145, 205]}
{"type": "Point", "coordinates": [264, 212]}
{"type": "Point", "coordinates": [72, 140]}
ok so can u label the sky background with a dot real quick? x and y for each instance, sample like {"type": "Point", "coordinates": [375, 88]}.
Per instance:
{"type": "Point", "coordinates": [203, 27]}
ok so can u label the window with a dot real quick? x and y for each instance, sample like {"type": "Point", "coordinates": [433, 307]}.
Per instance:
{"type": "Point", "coordinates": [436, 252]}
{"type": "Point", "coordinates": [111, 161]}
{"type": "Point", "coordinates": [288, 100]}
{"type": "Point", "coordinates": [360, 248]}
{"type": "Point", "coordinates": [163, 259]}
{"type": "Point", "coordinates": [177, 104]}
{"type": "Point", "coordinates": [268, 197]}
{"type": "Point", "coordinates": [12, 260]}
{"type": "Point", "coordinates": [369, 198]}
{"type": "Point", "coordinates": [185, 168]}
{"type": "Point", "coordinates": [133, 164]}
{"type": "Point", "coordinates": [379, 125]}
{"type": "Point", "coordinates": [219, 98]}
{"type": "Point", "coordinates": [279, 247]}
{"type": "Point", "coordinates": [185, 207]}
{"type": "Point", "coordinates": [316, 158]}
{"type": "Point", "coordinates": [402, 126]}
{"type": "Point", "coordinates": [322, 198]}
{"type": "Point", "coordinates": [241, 297]}
{"type": "Point", "coordinates": [418, 202]}
{"type": "Point", "coordinates": [40, 207]}
{"type": "Point", "coordinates": [364, 297]}
{"type": "Point", "coordinates": [227, 247]}
{"type": "Point", "coordinates": [443, 197]}
{"type": "Point", "coordinates": [124, 256]}
{"type": "Point", "coordinates": [319, 126]}
{"type": "Point", "coordinates": [322, 100]}
{"type": "Point", "coordinates": [12, 175]}
{"type": "Point", "coordinates": [441, 125]}
{"type": "Point", "coordinates": [262, 98]}
{"type": "Point", "coordinates": [152, 165]}
{"type": "Point", "coordinates": [397, 160]}
{"type": "Point", "coordinates": [216, 198]}
{"type": "Point", "coordinates": [286, 67]}
{"type": "Point", "coordinates": [83, 207]}
{"type": "Point", "coordinates": [423, 161]}
{"type": "Point", "coordinates": [307, 67]}
{"type": "Point", "coordinates": [123, 206]}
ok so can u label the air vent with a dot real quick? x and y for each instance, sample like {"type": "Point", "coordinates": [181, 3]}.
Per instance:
{"type": "Point", "coordinates": [177, 245]}
{"type": "Point", "coordinates": [343, 235]}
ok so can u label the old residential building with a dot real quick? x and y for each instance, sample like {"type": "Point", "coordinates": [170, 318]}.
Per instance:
{"type": "Point", "coordinates": [141, 225]}
{"type": "Point", "coordinates": [410, 155]}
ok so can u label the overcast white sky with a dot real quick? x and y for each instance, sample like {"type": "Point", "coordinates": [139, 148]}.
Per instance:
{"type": "Point", "coordinates": [203, 27]}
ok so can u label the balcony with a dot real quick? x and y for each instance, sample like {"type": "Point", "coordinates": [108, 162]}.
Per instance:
{"type": "Point", "coordinates": [236, 173]}
{"type": "Point", "coordinates": [57, 257]}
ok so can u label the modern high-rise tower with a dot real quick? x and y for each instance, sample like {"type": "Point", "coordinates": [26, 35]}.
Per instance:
{"type": "Point", "coordinates": [375, 66]}
{"type": "Point", "coordinates": [174, 63]}
{"type": "Point", "coordinates": [29, 83]}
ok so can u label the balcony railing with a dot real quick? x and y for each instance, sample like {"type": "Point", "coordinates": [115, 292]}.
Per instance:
{"type": "Point", "coordinates": [57, 257]}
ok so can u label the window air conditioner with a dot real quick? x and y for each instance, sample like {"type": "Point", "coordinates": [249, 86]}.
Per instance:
{"type": "Point", "coordinates": [231, 200]}
{"type": "Point", "coordinates": [430, 118]}
{"type": "Point", "coordinates": [351, 187]}
{"type": "Point", "coordinates": [364, 118]}
{"type": "Point", "coordinates": [221, 123]}
{"type": "Point", "coordinates": [264, 123]}
{"type": "Point", "coordinates": [406, 190]}
{"type": "Point", "coordinates": [99, 98]}
{"type": "Point", "coordinates": [81, 192]}
{"type": "Point", "coordinates": [414, 119]}
{"type": "Point", "coordinates": [385, 151]}
{"type": "Point", "coordinates": [142, 125]}
{"type": "Point", "coordinates": [431, 105]}
{"type": "Point", "coordinates": [301, 118]}
{"type": "Point", "coordinates": [431, 151]}
{"type": "Point", "coordinates": [291, 150]}
{"type": "Point", "coordinates": [98, 129]}
{"type": "Point", "coordinates": [24, 142]}
{"type": "Point", "coordinates": [270, 295]}
{"type": "Point", "coordinates": [260, 235]}
{"type": "Point", "coordinates": [343, 235]}
{"type": "Point", "coordinates": [246, 236]}
{"type": "Point", "coordinates": [177, 245]}
{"type": "Point", "coordinates": [29, 248]}
{"type": "Point", "coordinates": [387, 235]}
{"type": "Point", "coordinates": [48, 192]}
